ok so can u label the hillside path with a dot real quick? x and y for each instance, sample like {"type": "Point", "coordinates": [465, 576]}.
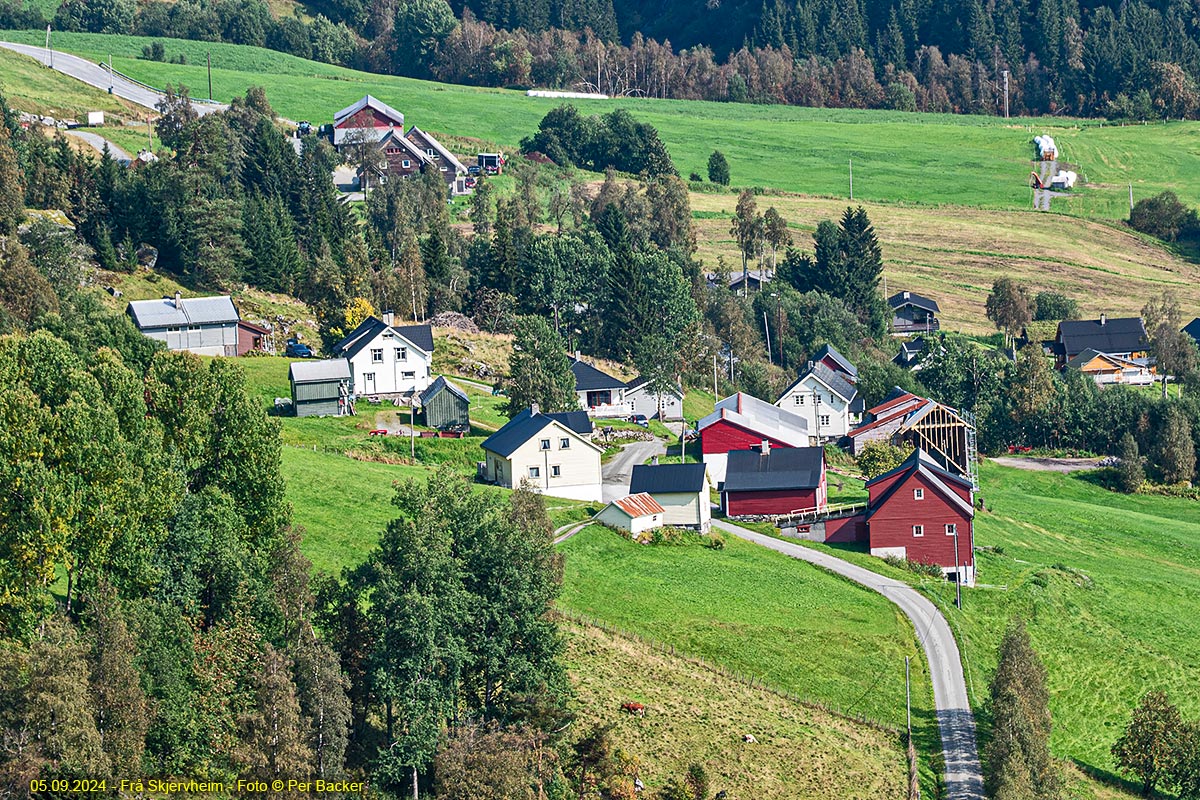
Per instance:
{"type": "Point", "coordinates": [97, 76]}
{"type": "Point", "coordinates": [97, 142]}
{"type": "Point", "coordinates": [964, 779]}
{"type": "Point", "coordinates": [617, 473]}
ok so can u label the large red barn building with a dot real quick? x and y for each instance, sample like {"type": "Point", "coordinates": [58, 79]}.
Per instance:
{"type": "Point", "coordinates": [774, 481]}
{"type": "Point", "coordinates": [921, 512]}
{"type": "Point", "coordinates": [740, 422]}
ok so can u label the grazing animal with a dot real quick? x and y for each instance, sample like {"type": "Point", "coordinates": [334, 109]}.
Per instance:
{"type": "Point", "coordinates": [634, 708]}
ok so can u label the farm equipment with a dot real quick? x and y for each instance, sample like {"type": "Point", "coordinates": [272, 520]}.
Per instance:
{"type": "Point", "coordinates": [1046, 149]}
{"type": "Point", "coordinates": [491, 163]}
{"type": "Point", "coordinates": [1063, 181]}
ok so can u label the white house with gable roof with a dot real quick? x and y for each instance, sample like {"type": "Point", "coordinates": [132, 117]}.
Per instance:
{"type": "Point", "coordinates": [388, 360]}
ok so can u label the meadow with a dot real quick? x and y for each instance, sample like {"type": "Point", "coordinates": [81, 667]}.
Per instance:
{"type": "Point", "coordinates": [696, 715]}
{"type": "Point", "coordinates": [897, 157]}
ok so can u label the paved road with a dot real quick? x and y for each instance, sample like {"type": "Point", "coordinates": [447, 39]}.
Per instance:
{"type": "Point", "coordinates": [964, 780]}
{"type": "Point", "coordinates": [97, 142]}
{"type": "Point", "coordinates": [94, 75]}
{"type": "Point", "coordinates": [617, 472]}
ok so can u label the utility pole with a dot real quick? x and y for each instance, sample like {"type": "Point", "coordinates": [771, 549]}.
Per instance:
{"type": "Point", "coordinates": [817, 413]}
{"type": "Point", "coordinates": [852, 179]}
{"type": "Point", "coordinates": [49, 52]}
{"type": "Point", "coordinates": [1131, 197]}
{"type": "Point", "coordinates": [767, 331]}
{"type": "Point", "coordinates": [908, 695]}
{"type": "Point", "coordinates": [208, 56]}
{"type": "Point", "coordinates": [714, 377]}
{"type": "Point", "coordinates": [111, 85]}
{"type": "Point", "coordinates": [1006, 94]}
{"type": "Point", "coordinates": [412, 430]}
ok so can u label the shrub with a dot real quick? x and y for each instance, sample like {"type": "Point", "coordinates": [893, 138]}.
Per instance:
{"type": "Point", "coordinates": [715, 541]}
{"type": "Point", "coordinates": [1164, 217]}
{"type": "Point", "coordinates": [878, 457]}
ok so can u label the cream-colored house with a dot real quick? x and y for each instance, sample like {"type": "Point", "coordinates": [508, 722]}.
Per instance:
{"type": "Point", "coordinates": [681, 490]}
{"type": "Point", "coordinates": [635, 513]}
{"type": "Point", "coordinates": [553, 452]}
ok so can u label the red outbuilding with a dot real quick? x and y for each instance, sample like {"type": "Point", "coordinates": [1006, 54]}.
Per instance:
{"type": "Point", "coordinates": [742, 421]}
{"type": "Point", "coordinates": [921, 512]}
{"type": "Point", "coordinates": [773, 481]}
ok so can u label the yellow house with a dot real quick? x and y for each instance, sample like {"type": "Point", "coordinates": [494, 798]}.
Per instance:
{"type": "Point", "coordinates": [1106, 368]}
{"type": "Point", "coordinates": [552, 452]}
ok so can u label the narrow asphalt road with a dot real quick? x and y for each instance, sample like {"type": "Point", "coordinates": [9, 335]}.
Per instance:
{"type": "Point", "coordinates": [97, 142]}
{"type": "Point", "coordinates": [964, 780]}
{"type": "Point", "coordinates": [94, 75]}
{"type": "Point", "coordinates": [616, 473]}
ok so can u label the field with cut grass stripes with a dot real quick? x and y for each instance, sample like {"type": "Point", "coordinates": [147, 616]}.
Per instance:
{"type": "Point", "coordinates": [918, 158]}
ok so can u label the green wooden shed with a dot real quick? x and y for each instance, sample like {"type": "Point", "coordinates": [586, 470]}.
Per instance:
{"type": "Point", "coordinates": [444, 405]}
{"type": "Point", "coordinates": [320, 388]}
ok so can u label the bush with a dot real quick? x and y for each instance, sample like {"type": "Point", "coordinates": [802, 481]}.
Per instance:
{"type": "Point", "coordinates": [715, 541]}
{"type": "Point", "coordinates": [1164, 217]}
{"type": "Point", "coordinates": [878, 457]}
{"type": "Point", "coordinates": [1055, 306]}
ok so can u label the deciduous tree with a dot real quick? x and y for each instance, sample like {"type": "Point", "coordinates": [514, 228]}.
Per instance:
{"type": "Point", "coordinates": [1145, 748]}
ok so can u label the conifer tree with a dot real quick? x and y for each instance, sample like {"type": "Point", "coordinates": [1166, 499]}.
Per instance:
{"type": "Point", "coordinates": [539, 370]}
{"type": "Point", "coordinates": [1130, 472]}
{"type": "Point", "coordinates": [121, 708]}
{"type": "Point", "coordinates": [274, 740]}
{"type": "Point", "coordinates": [12, 193]}
{"type": "Point", "coordinates": [1176, 452]}
{"type": "Point", "coordinates": [718, 168]}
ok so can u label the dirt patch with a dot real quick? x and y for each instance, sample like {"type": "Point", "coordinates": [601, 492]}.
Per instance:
{"type": "Point", "coordinates": [1049, 464]}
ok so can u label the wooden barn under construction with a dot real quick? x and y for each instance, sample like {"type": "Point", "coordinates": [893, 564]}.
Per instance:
{"type": "Point", "coordinates": [945, 434]}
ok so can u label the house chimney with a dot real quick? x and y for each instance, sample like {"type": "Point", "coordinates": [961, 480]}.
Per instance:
{"type": "Point", "coordinates": [907, 295]}
{"type": "Point", "coordinates": [533, 409]}
{"type": "Point", "coordinates": [1104, 319]}
{"type": "Point", "coordinates": [654, 461]}
{"type": "Point", "coordinates": [388, 316]}
{"type": "Point", "coordinates": [765, 448]}
{"type": "Point", "coordinates": [179, 300]}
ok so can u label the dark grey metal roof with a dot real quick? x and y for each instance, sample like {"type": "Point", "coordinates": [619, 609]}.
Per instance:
{"type": "Point", "coordinates": [780, 468]}
{"type": "Point", "coordinates": [1121, 335]}
{"type": "Point", "coordinates": [192, 311]}
{"type": "Point", "coordinates": [902, 299]}
{"type": "Point", "coordinates": [836, 382]}
{"type": "Point", "coordinates": [526, 424]}
{"type": "Point", "coordinates": [441, 384]}
{"type": "Point", "coordinates": [1192, 329]}
{"type": "Point", "coordinates": [419, 336]}
{"type": "Point", "coordinates": [590, 379]}
{"type": "Point", "coordinates": [667, 478]}
{"type": "Point", "coordinates": [333, 369]}
{"type": "Point", "coordinates": [828, 350]}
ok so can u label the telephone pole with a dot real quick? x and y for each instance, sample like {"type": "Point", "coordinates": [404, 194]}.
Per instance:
{"type": "Point", "coordinates": [852, 179]}
{"type": "Point", "coordinates": [208, 56]}
{"type": "Point", "coordinates": [1005, 94]}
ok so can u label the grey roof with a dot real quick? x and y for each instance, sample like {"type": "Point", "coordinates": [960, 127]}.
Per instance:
{"type": "Point", "coordinates": [1121, 335]}
{"type": "Point", "coordinates": [420, 336]}
{"type": "Point", "coordinates": [834, 380]}
{"type": "Point", "coordinates": [446, 154]}
{"type": "Point", "coordinates": [781, 468]}
{"type": "Point", "coordinates": [760, 417]}
{"type": "Point", "coordinates": [909, 351]}
{"type": "Point", "coordinates": [193, 311]}
{"type": "Point", "coordinates": [760, 275]}
{"type": "Point", "coordinates": [1192, 329]}
{"type": "Point", "coordinates": [333, 369]}
{"type": "Point", "coordinates": [523, 427]}
{"type": "Point", "coordinates": [441, 384]}
{"type": "Point", "coordinates": [938, 476]}
{"type": "Point", "coordinates": [828, 350]}
{"type": "Point", "coordinates": [902, 299]}
{"type": "Point", "coordinates": [667, 478]}
{"type": "Point", "coordinates": [363, 102]}
{"type": "Point", "coordinates": [588, 378]}
{"type": "Point", "coordinates": [641, 381]}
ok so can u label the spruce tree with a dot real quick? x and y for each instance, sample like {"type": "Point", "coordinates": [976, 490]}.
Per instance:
{"type": "Point", "coordinates": [539, 370]}
{"type": "Point", "coordinates": [121, 708]}
{"type": "Point", "coordinates": [274, 740]}
{"type": "Point", "coordinates": [1176, 452]}
{"type": "Point", "coordinates": [718, 168]}
{"type": "Point", "coordinates": [12, 193]}
{"type": "Point", "coordinates": [1130, 474]}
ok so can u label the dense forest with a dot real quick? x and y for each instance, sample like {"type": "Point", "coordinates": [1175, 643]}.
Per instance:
{"type": "Point", "coordinates": [1135, 59]}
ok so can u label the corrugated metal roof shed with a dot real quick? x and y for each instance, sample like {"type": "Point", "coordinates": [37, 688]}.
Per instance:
{"type": "Point", "coordinates": [163, 313]}
{"type": "Point", "coordinates": [639, 505]}
{"type": "Point", "coordinates": [333, 369]}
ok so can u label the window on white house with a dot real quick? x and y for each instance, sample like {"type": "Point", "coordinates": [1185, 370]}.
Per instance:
{"type": "Point", "coordinates": [555, 471]}
{"type": "Point", "coordinates": [799, 399]}
{"type": "Point", "coordinates": [172, 329]}
{"type": "Point", "coordinates": [407, 375]}
{"type": "Point", "coordinates": [918, 494]}
{"type": "Point", "coordinates": [193, 327]}
{"type": "Point", "coordinates": [535, 472]}
{"type": "Point", "coordinates": [918, 530]}
{"type": "Point", "coordinates": [951, 529]}
{"type": "Point", "coordinates": [545, 444]}
{"type": "Point", "coordinates": [377, 355]}
{"type": "Point", "coordinates": [564, 443]}
{"type": "Point", "coordinates": [824, 419]}
{"type": "Point", "coordinates": [402, 354]}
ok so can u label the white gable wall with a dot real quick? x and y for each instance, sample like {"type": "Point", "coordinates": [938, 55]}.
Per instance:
{"type": "Point", "coordinates": [831, 419]}
{"type": "Point", "coordinates": [578, 465]}
{"type": "Point", "coordinates": [390, 364]}
{"type": "Point", "coordinates": [643, 401]}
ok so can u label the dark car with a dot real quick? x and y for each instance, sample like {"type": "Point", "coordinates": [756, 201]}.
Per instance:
{"type": "Point", "coordinates": [474, 169]}
{"type": "Point", "coordinates": [297, 349]}
{"type": "Point", "coordinates": [640, 419]}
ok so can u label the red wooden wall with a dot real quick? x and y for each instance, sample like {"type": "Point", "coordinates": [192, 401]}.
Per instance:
{"type": "Point", "coordinates": [891, 524]}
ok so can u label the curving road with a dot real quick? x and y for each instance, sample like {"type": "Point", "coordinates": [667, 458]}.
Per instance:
{"type": "Point", "coordinates": [964, 780]}
{"type": "Point", "coordinates": [98, 142]}
{"type": "Point", "coordinates": [95, 75]}
{"type": "Point", "coordinates": [618, 471]}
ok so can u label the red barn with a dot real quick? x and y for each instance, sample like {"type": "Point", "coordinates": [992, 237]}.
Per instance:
{"type": "Point", "coordinates": [372, 117]}
{"type": "Point", "coordinates": [774, 481]}
{"type": "Point", "coordinates": [919, 511]}
{"type": "Point", "coordinates": [251, 337]}
{"type": "Point", "coordinates": [740, 422]}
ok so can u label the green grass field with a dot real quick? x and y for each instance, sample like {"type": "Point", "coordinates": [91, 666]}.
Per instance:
{"type": "Point", "coordinates": [915, 158]}
{"type": "Point", "coordinates": [696, 715]}
{"type": "Point", "coordinates": [758, 613]}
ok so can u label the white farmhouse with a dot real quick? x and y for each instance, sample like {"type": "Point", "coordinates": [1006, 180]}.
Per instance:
{"type": "Point", "coordinates": [553, 452]}
{"type": "Point", "coordinates": [827, 401]}
{"type": "Point", "coordinates": [642, 399]}
{"type": "Point", "coordinates": [207, 326]}
{"type": "Point", "coordinates": [387, 360]}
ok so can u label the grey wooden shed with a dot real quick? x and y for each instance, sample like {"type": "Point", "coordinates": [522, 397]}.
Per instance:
{"type": "Point", "coordinates": [444, 405]}
{"type": "Point", "coordinates": [320, 388]}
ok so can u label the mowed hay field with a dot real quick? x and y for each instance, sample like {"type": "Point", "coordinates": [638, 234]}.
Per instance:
{"type": "Point", "coordinates": [953, 254]}
{"type": "Point", "coordinates": [697, 715]}
{"type": "Point", "coordinates": [921, 158]}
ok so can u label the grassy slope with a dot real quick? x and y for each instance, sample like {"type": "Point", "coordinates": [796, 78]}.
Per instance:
{"type": "Point", "coordinates": [694, 715]}
{"type": "Point", "coordinates": [977, 161]}
{"type": "Point", "coordinates": [954, 254]}
{"type": "Point", "coordinates": [758, 613]}
{"type": "Point", "coordinates": [28, 86]}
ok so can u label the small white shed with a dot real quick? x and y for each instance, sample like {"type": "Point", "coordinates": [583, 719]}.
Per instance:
{"type": "Point", "coordinates": [635, 513]}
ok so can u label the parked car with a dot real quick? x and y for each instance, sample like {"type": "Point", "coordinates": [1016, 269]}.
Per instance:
{"type": "Point", "coordinates": [640, 419]}
{"type": "Point", "coordinates": [297, 349]}
{"type": "Point", "coordinates": [474, 169]}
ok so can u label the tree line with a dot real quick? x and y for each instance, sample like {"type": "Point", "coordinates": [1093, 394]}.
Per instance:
{"type": "Point", "coordinates": [1131, 60]}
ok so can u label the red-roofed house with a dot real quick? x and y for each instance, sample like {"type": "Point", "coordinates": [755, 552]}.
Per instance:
{"type": "Point", "coordinates": [921, 512]}
{"type": "Point", "coordinates": [635, 513]}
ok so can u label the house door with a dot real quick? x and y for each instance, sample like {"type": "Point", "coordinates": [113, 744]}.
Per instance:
{"type": "Point", "coordinates": [368, 383]}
